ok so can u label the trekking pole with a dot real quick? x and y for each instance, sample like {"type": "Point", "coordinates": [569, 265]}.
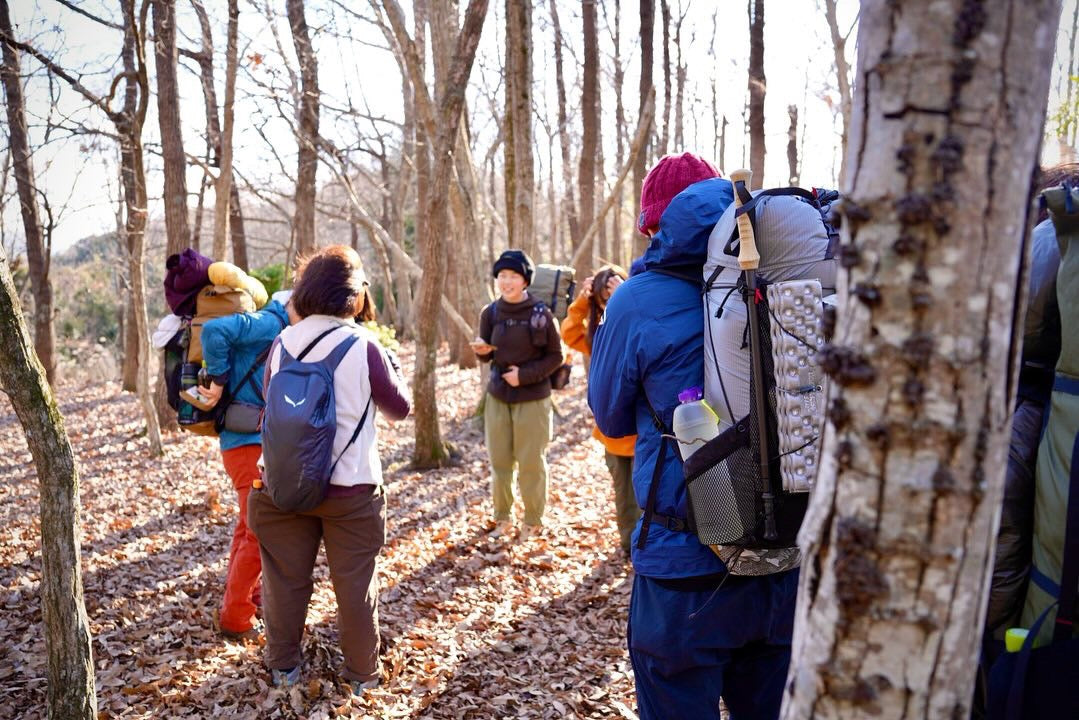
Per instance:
{"type": "Point", "coordinates": [749, 260]}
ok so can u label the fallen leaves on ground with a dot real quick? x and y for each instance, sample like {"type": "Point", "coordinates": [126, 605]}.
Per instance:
{"type": "Point", "coordinates": [472, 626]}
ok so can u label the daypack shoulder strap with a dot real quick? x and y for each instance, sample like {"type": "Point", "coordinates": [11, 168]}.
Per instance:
{"type": "Point", "coordinates": [313, 343]}
{"type": "Point", "coordinates": [355, 434]}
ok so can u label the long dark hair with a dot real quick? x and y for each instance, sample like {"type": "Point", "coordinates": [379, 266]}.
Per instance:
{"type": "Point", "coordinates": [596, 305]}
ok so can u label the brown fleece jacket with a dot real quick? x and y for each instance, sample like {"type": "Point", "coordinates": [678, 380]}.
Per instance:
{"type": "Point", "coordinates": [515, 329]}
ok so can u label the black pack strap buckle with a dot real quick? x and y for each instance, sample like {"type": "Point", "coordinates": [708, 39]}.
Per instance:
{"type": "Point", "coordinates": [674, 524]}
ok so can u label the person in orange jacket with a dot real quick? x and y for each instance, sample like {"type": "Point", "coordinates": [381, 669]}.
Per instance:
{"type": "Point", "coordinates": [577, 331]}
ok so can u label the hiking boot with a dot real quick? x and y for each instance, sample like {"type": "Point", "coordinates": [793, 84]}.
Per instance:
{"type": "Point", "coordinates": [285, 678]}
{"type": "Point", "coordinates": [359, 688]}
{"type": "Point", "coordinates": [503, 528]}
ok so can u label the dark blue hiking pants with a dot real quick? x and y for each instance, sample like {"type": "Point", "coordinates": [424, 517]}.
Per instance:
{"type": "Point", "coordinates": [691, 644]}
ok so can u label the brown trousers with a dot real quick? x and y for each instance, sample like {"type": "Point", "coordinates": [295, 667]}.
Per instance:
{"type": "Point", "coordinates": [353, 529]}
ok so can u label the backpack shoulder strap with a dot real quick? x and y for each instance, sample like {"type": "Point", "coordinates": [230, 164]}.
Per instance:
{"type": "Point", "coordinates": [355, 434]}
{"type": "Point", "coordinates": [650, 513]}
{"type": "Point", "coordinates": [313, 343]}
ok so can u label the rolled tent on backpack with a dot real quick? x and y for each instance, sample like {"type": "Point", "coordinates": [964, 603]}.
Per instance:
{"type": "Point", "coordinates": [1055, 458]}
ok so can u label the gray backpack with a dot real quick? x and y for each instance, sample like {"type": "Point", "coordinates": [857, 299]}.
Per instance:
{"type": "Point", "coordinates": [554, 285]}
{"type": "Point", "coordinates": [755, 535]}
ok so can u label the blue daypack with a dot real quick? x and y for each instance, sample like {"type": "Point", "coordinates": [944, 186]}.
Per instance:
{"type": "Point", "coordinates": [299, 427]}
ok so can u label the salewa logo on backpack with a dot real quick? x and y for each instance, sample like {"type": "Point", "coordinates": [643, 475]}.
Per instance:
{"type": "Point", "coordinates": [297, 436]}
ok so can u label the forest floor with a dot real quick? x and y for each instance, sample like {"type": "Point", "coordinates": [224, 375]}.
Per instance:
{"type": "Point", "coordinates": [472, 626]}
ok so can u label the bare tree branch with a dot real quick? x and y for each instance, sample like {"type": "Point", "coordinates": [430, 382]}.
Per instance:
{"type": "Point", "coordinates": [95, 18]}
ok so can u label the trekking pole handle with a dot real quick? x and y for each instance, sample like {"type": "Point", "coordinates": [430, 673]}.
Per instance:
{"type": "Point", "coordinates": [748, 257]}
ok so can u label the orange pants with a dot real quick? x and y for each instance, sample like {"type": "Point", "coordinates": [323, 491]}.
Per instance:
{"type": "Point", "coordinates": [242, 587]}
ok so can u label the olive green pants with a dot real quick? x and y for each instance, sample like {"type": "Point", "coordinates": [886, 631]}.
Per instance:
{"type": "Point", "coordinates": [625, 502]}
{"type": "Point", "coordinates": [517, 435]}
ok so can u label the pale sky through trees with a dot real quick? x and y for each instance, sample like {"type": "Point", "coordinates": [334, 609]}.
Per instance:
{"type": "Point", "coordinates": [82, 183]}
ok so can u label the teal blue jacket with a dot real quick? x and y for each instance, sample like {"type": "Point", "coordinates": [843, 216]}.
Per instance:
{"type": "Point", "coordinates": [231, 345]}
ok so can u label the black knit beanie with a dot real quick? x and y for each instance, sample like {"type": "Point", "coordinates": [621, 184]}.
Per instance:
{"type": "Point", "coordinates": [517, 261]}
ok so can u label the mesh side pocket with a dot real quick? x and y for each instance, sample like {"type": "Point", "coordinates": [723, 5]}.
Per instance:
{"type": "Point", "coordinates": [720, 484]}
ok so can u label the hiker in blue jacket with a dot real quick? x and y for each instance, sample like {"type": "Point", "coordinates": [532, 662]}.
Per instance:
{"type": "Point", "coordinates": [232, 348]}
{"type": "Point", "coordinates": [695, 633]}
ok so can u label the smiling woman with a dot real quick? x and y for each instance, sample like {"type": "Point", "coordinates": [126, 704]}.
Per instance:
{"type": "Point", "coordinates": [519, 336]}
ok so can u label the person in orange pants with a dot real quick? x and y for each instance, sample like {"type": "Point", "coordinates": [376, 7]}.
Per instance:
{"type": "Point", "coordinates": [242, 587]}
{"type": "Point", "coordinates": [234, 349]}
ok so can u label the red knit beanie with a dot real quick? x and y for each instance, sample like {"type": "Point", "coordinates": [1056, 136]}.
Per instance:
{"type": "Point", "coordinates": [670, 176]}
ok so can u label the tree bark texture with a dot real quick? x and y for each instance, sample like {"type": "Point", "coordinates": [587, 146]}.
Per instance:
{"type": "Point", "coordinates": [665, 26]}
{"type": "Point", "coordinates": [129, 127]}
{"type": "Point", "coordinates": [70, 692]}
{"type": "Point", "coordinates": [756, 91]}
{"type": "Point", "coordinates": [792, 145]}
{"type": "Point", "coordinates": [842, 74]}
{"type": "Point", "coordinates": [520, 165]}
{"type": "Point", "coordinates": [948, 115]}
{"type": "Point", "coordinates": [178, 235]}
{"type": "Point", "coordinates": [640, 167]}
{"type": "Point", "coordinates": [590, 142]}
{"type": "Point", "coordinates": [622, 251]}
{"type": "Point", "coordinates": [429, 449]}
{"type": "Point", "coordinates": [38, 248]}
{"type": "Point", "coordinates": [307, 111]}
{"type": "Point", "coordinates": [237, 234]}
{"type": "Point", "coordinates": [563, 126]}
{"type": "Point", "coordinates": [223, 183]}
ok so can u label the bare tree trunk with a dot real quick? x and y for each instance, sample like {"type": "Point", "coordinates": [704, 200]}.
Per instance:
{"type": "Point", "coordinates": [129, 127]}
{"type": "Point", "coordinates": [520, 167]}
{"type": "Point", "coordinates": [70, 688]}
{"type": "Point", "coordinates": [680, 83]}
{"type": "Point", "coordinates": [307, 110]}
{"type": "Point", "coordinates": [756, 91]}
{"type": "Point", "coordinates": [563, 126]}
{"type": "Point", "coordinates": [842, 73]}
{"type": "Point", "coordinates": [205, 60]}
{"type": "Point", "coordinates": [38, 243]}
{"type": "Point", "coordinates": [429, 447]}
{"type": "Point", "coordinates": [590, 142]}
{"type": "Point", "coordinates": [645, 93]}
{"type": "Point", "coordinates": [900, 532]}
{"type": "Point", "coordinates": [716, 151]}
{"type": "Point", "coordinates": [236, 229]}
{"type": "Point", "coordinates": [177, 235]}
{"type": "Point", "coordinates": [723, 143]}
{"type": "Point", "coordinates": [172, 141]}
{"type": "Point", "coordinates": [665, 23]}
{"type": "Point", "coordinates": [792, 145]}
{"type": "Point", "coordinates": [620, 256]}
{"type": "Point", "coordinates": [223, 185]}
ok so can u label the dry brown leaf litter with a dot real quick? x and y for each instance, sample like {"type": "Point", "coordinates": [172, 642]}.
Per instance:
{"type": "Point", "coordinates": [473, 627]}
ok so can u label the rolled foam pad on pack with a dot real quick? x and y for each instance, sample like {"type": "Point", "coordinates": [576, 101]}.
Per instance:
{"type": "Point", "coordinates": [225, 273]}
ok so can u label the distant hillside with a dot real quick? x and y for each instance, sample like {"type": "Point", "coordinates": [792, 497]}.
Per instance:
{"type": "Point", "coordinates": [95, 247]}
